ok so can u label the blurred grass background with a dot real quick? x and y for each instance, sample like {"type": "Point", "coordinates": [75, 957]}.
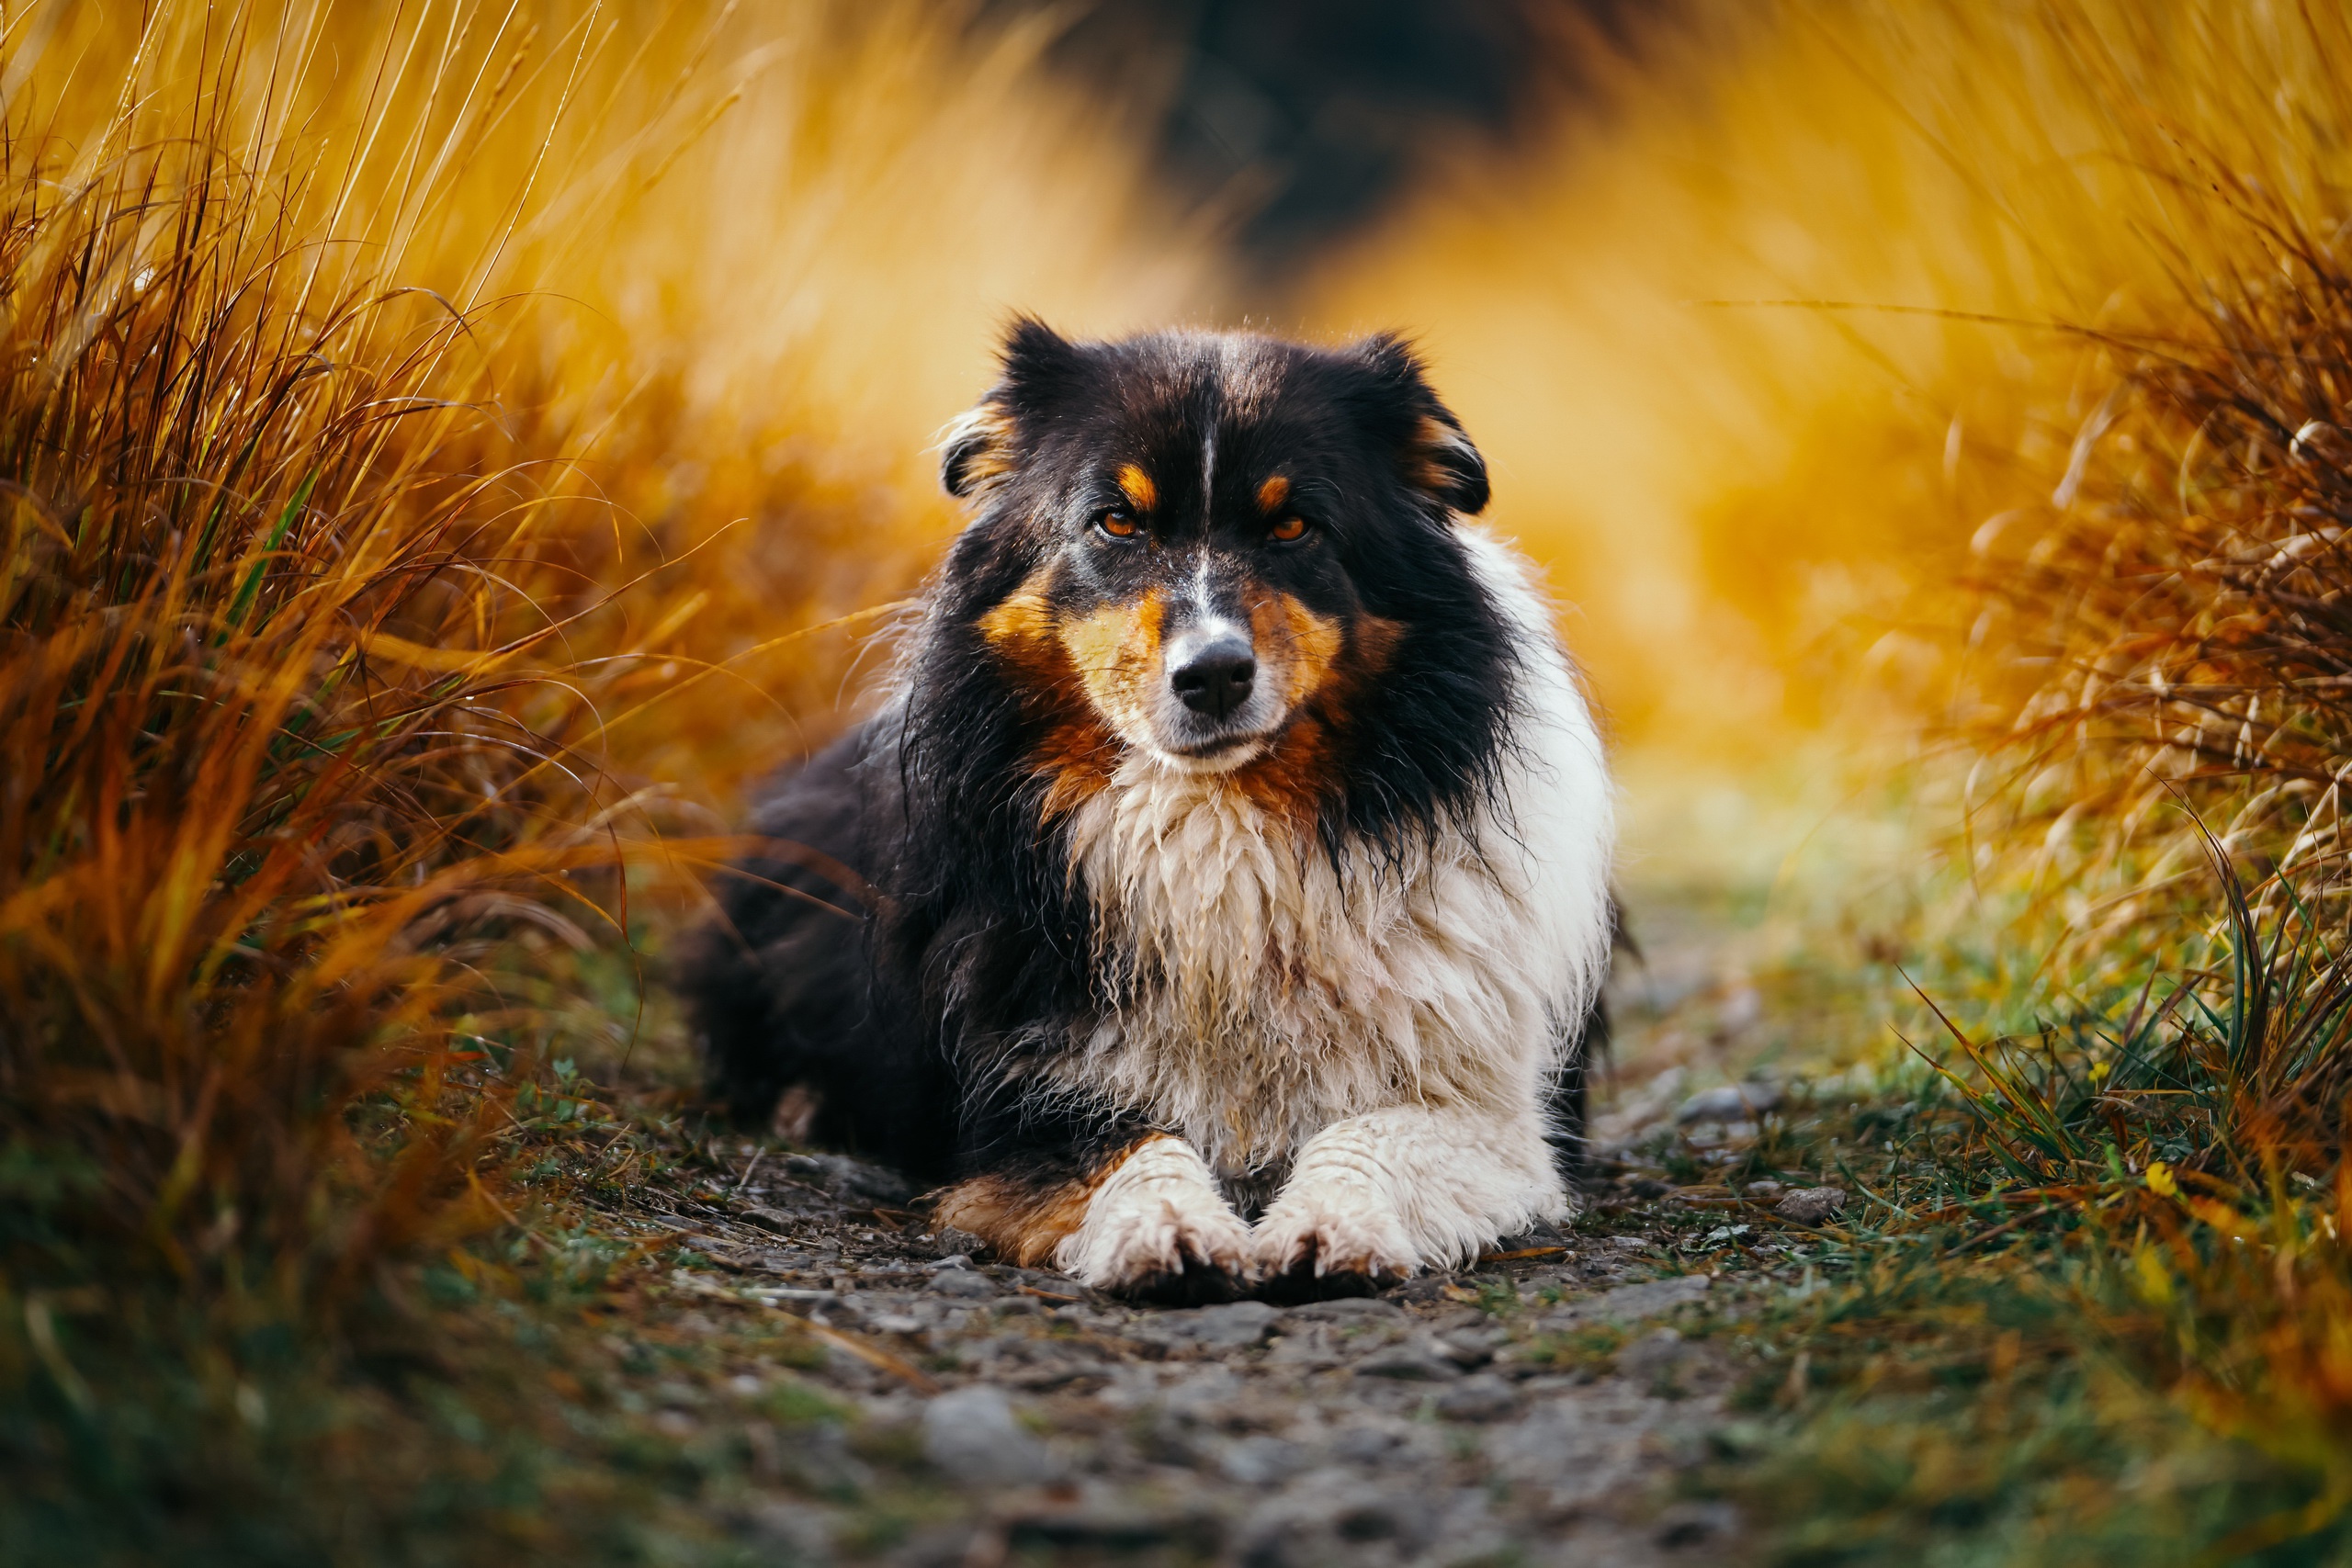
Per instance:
{"type": "Point", "coordinates": [451, 450]}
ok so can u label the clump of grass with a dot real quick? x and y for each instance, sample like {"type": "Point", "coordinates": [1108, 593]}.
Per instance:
{"type": "Point", "coordinates": [259, 637]}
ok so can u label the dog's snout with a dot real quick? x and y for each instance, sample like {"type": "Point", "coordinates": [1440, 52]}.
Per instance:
{"type": "Point", "coordinates": [1213, 679]}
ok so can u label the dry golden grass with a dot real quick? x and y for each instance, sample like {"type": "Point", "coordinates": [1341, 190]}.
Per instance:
{"type": "Point", "coordinates": [427, 440]}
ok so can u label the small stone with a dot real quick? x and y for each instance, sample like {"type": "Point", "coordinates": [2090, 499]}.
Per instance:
{"type": "Point", "coordinates": [971, 1435]}
{"type": "Point", "coordinates": [1346, 1309]}
{"type": "Point", "coordinates": [1468, 1349]}
{"type": "Point", "coordinates": [1412, 1363]}
{"type": "Point", "coordinates": [1484, 1397]}
{"type": "Point", "coordinates": [1233, 1325]}
{"type": "Point", "coordinates": [1652, 1358]}
{"type": "Point", "coordinates": [964, 1282]}
{"type": "Point", "coordinates": [1261, 1462]}
{"type": "Point", "coordinates": [1630, 1243]}
{"type": "Point", "coordinates": [953, 1260]}
{"type": "Point", "coordinates": [804, 1533]}
{"type": "Point", "coordinates": [1690, 1524]}
{"type": "Point", "coordinates": [1812, 1205]}
{"type": "Point", "coordinates": [1648, 1299]}
{"type": "Point", "coordinates": [1762, 1191]}
{"type": "Point", "coordinates": [1732, 1102]}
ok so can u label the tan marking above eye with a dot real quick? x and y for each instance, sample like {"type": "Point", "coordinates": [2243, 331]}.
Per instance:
{"type": "Point", "coordinates": [1271, 494]}
{"type": "Point", "coordinates": [1142, 494]}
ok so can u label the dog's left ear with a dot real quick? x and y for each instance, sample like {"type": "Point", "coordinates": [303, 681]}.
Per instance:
{"type": "Point", "coordinates": [1434, 452]}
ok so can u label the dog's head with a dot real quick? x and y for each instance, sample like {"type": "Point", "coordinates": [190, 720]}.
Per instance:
{"type": "Point", "coordinates": [1201, 544]}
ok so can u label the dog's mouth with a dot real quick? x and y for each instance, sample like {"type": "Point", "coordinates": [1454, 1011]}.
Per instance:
{"type": "Point", "coordinates": [1222, 748]}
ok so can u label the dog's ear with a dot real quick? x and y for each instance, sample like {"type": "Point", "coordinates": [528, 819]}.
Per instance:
{"type": "Point", "coordinates": [974, 451]}
{"type": "Point", "coordinates": [1040, 368]}
{"type": "Point", "coordinates": [1432, 451]}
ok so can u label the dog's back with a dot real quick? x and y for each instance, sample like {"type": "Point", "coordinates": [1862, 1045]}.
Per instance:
{"type": "Point", "coordinates": [783, 984]}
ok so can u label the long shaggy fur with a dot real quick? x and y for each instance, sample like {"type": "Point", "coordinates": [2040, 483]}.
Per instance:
{"type": "Point", "coordinates": [1138, 955]}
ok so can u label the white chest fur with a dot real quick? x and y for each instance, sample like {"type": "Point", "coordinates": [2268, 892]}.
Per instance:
{"type": "Point", "coordinates": [1275, 993]}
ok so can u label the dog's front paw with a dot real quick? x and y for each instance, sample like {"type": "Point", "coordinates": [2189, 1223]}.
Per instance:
{"type": "Point", "coordinates": [1158, 1230]}
{"type": "Point", "coordinates": [1332, 1243]}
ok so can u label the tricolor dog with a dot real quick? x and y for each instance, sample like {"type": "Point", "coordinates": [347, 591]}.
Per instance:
{"type": "Point", "coordinates": [1218, 898]}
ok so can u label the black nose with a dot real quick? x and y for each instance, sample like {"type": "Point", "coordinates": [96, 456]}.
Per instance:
{"type": "Point", "coordinates": [1215, 678]}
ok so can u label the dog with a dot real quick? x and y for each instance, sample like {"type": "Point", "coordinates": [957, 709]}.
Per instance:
{"type": "Point", "coordinates": [1218, 898]}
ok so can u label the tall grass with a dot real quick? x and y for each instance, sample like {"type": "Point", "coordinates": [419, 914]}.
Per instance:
{"type": "Point", "coordinates": [429, 437]}
{"type": "Point", "coordinates": [1975, 375]}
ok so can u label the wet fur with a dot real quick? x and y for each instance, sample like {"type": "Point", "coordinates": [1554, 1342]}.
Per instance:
{"type": "Point", "coordinates": [1177, 1006]}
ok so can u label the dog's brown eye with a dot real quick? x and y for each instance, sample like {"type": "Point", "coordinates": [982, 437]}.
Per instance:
{"type": "Point", "coordinates": [1289, 528]}
{"type": "Point", "coordinates": [1116, 523]}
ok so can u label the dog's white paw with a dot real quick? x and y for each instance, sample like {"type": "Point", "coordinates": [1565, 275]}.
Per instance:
{"type": "Point", "coordinates": [1324, 1231]}
{"type": "Point", "coordinates": [1159, 1225]}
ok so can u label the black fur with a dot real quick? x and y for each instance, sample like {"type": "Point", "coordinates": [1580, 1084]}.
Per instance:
{"type": "Point", "coordinates": [916, 1007]}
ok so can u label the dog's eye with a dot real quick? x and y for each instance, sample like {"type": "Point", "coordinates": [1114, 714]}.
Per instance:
{"type": "Point", "coordinates": [1288, 529]}
{"type": "Point", "coordinates": [1116, 523]}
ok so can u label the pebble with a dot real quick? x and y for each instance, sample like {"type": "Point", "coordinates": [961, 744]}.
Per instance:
{"type": "Point", "coordinates": [1261, 1462]}
{"type": "Point", "coordinates": [1484, 1397]}
{"type": "Point", "coordinates": [1812, 1205]}
{"type": "Point", "coordinates": [1416, 1363]}
{"type": "Point", "coordinates": [1346, 1309]}
{"type": "Point", "coordinates": [962, 1282]}
{"type": "Point", "coordinates": [1234, 1325]}
{"type": "Point", "coordinates": [1648, 1299]}
{"type": "Point", "coordinates": [972, 1436]}
{"type": "Point", "coordinates": [1730, 1102]}
{"type": "Point", "coordinates": [1653, 1356]}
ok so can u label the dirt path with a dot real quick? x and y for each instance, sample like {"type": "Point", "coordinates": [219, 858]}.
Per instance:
{"type": "Point", "coordinates": [856, 1388]}
{"type": "Point", "coordinates": [1537, 1410]}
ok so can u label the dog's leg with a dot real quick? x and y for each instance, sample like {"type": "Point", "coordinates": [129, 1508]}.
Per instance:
{"type": "Point", "coordinates": [1143, 1218]}
{"type": "Point", "coordinates": [1388, 1193]}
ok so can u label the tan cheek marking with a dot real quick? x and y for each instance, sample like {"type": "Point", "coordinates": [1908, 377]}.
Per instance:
{"type": "Point", "coordinates": [1077, 754]}
{"type": "Point", "coordinates": [1291, 780]}
{"type": "Point", "coordinates": [1272, 493]}
{"type": "Point", "coordinates": [1376, 640]}
{"type": "Point", "coordinates": [1310, 644]}
{"type": "Point", "coordinates": [1025, 1220]}
{"type": "Point", "coordinates": [1024, 617]}
{"type": "Point", "coordinates": [1116, 651]}
{"type": "Point", "coordinates": [1077, 758]}
{"type": "Point", "coordinates": [1142, 494]}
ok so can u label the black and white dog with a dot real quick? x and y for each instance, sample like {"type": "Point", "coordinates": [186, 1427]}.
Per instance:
{"type": "Point", "coordinates": [1219, 897]}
